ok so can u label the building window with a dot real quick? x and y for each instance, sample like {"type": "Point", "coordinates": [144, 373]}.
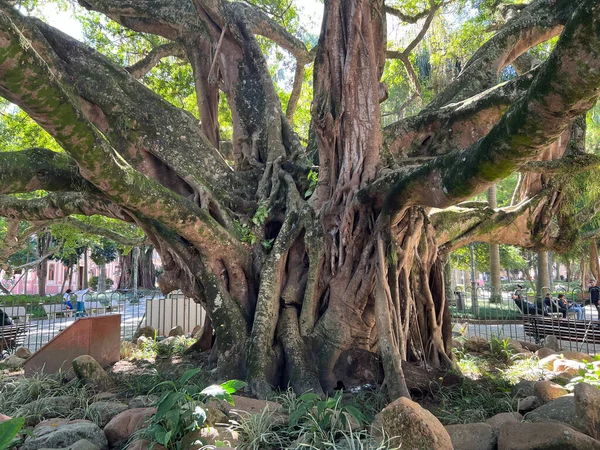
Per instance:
{"type": "Point", "coordinates": [51, 272]}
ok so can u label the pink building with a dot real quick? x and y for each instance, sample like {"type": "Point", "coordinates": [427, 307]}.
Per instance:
{"type": "Point", "coordinates": [57, 272]}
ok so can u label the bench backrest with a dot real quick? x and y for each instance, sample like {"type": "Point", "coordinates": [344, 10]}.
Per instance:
{"type": "Point", "coordinates": [53, 308]}
{"type": "Point", "coordinates": [14, 311]}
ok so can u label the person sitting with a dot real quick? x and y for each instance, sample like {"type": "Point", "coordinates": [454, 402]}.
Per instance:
{"type": "Point", "coordinates": [5, 319]}
{"type": "Point", "coordinates": [67, 300]}
{"type": "Point", "coordinates": [526, 307]}
{"type": "Point", "coordinates": [555, 306]}
{"type": "Point", "coordinates": [571, 306]}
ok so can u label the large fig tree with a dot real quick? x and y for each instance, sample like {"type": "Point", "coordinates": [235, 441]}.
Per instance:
{"type": "Point", "coordinates": [293, 269]}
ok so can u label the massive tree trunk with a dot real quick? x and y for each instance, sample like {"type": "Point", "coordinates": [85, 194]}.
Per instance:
{"type": "Point", "coordinates": [146, 270]}
{"type": "Point", "coordinates": [542, 281]}
{"type": "Point", "coordinates": [43, 244]}
{"type": "Point", "coordinates": [353, 263]}
{"type": "Point", "coordinates": [496, 282]}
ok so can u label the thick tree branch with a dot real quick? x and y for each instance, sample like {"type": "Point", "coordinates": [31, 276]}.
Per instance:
{"type": "Point", "coordinates": [102, 231]}
{"type": "Point", "coordinates": [570, 163]}
{"type": "Point", "coordinates": [540, 21]}
{"type": "Point", "coordinates": [565, 87]}
{"type": "Point", "coordinates": [40, 169]}
{"type": "Point", "coordinates": [147, 63]}
{"type": "Point", "coordinates": [406, 18]}
{"type": "Point", "coordinates": [296, 91]}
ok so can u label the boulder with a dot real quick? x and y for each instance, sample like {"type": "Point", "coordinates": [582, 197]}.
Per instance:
{"type": "Point", "coordinates": [91, 373]}
{"type": "Point", "coordinates": [102, 412]}
{"type": "Point", "coordinates": [472, 436]}
{"type": "Point", "coordinates": [477, 344]}
{"type": "Point", "coordinates": [413, 427]}
{"type": "Point", "coordinates": [552, 343]}
{"type": "Point", "coordinates": [143, 401]}
{"type": "Point", "coordinates": [197, 331]}
{"type": "Point", "coordinates": [547, 362]}
{"type": "Point", "coordinates": [122, 426]}
{"type": "Point", "coordinates": [543, 436]}
{"type": "Point", "coordinates": [4, 417]}
{"type": "Point", "coordinates": [13, 362]}
{"type": "Point", "coordinates": [544, 351]}
{"type": "Point", "coordinates": [530, 346]}
{"type": "Point", "coordinates": [165, 345]}
{"type": "Point", "coordinates": [546, 391]}
{"type": "Point", "coordinates": [498, 420]}
{"type": "Point", "coordinates": [103, 397]}
{"type": "Point", "coordinates": [358, 367]}
{"type": "Point", "coordinates": [64, 434]}
{"type": "Point", "coordinates": [560, 410]}
{"type": "Point", "coordinates": [246, 404]}
{"type": "Point", "coordinates": [82, 444]}
{"type": "Point", "coordinates": [523, 388]}
{"type": "Point", "coordinates": [515, 346]}
{"type": "Point", "coordinates": [146, 331]}
{"type": "Point", "coordinates": [59, 406]}
{"type": "Point", "coordinates": [142, 341]}
{"type": "Point", "coordinates": [577, 356]}
{"type": "Point", "coordinates": [214, 415]}
{"type": "Point", "coordinates": [176, 331]}
{"type": "Point", "coordinates": [23, 352]}
{"type": "Point", "coordinates": [568, 366]}
{"type": "Point", "coordinates": [528, 404]}
{"type": "Point", "coordinates": [587, 408]}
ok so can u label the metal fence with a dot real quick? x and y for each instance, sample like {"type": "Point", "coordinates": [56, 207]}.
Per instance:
{"type": "Point", "coordinates": [40, 319]}
{"type": "Point", "coordinates": [478, 313]}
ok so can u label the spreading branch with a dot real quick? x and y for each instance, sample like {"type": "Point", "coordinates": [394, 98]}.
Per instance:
{"type": "Point", "coordinates": [106, 232]}
{"type": "Point", "coordinates": [147, 63]}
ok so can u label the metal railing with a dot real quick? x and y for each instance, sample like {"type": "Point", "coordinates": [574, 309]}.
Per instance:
{"type": "Point", "coordinates": [482, 315]}
{"type": "Point", "coordinates": [39, 319]}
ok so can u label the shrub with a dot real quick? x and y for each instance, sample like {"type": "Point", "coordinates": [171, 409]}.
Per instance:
{"type": "Point", "coordinates": [93, 282]}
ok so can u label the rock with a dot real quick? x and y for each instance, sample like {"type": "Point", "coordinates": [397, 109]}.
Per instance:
{"type": "Point", "coordinates": [515, 346]}
{"type": "Point", "coordinates": [199, 439]}
{"type": "Point", "coordinates": [472, 436]}
{"type": "Point", "coordinates": [530, 346]}
{"type": "Point", "coordinates": [544, 351]}
{"type": "Point", "coordinates": [560, 410]}
{"type": "Point", "coordinates": [23, 352]}
{"type": "Point", "coordinates": [587, 408]}
{"type": "Point", "coordinates": [568, 366]}
{"type": "Point", "coordinates": [82, 444]}
{"type": "Point", "coordinates": [103, 397]}
{"type": "Point", "coordinates": [413, 427]}
{"type": "Point", "coordinates": [62, 435]}
{"type": "Point", "coordinates": [214, 415]}
{"type": "Point", "coordinates": [122, 426]}
{"type": "Point", "coordinates": [143, 401]}
{"type": "Point", "coordinates": [13, 362]}
{"type": "Point", "coordinates": [358, 367]}
{"type": "Point", "coordinates": [477, 344]}
{"type": "Point", "coordinates": [91, 373]}
{"type": "Point", "coordinates": [543, 436]}
{"type": "Point", "coordinates": [546, 391]}
{"type": "Point", "coordinates": [142, 341]}
{"type": "Point", "coordinates": [146, 331]}
{"type": "Point", "coordinates": [164, 345]}
{"type": "Point", "coordinates": [523, 388]}
{"type": "Point", "coordinates": [144, 445]}
{"type": "Point", "coordinates": [528, 404]}
{"type": "Point", "coordinates": [577, 356]}
{"type": "Point", "coordinates": [197, 329]}
{"type": "Point", "coordinates": [4, 418]}
{"type": "Point", "coordinates": [59, 406]}
{"type": "Point", "coordinates": [552, 343]}
{"type": "Point", "coordinates": [561, 378]}
{"type": "Point", "coordinates": [102, 412]}
{"type": "Point", "coordinates": [547, 362]}
{"type": "Point", "coordinates": [500, 419]}
{"type": "Point", "coordinates": [246, 404]}
{"type": "Point", "coordinates": [176, 331]}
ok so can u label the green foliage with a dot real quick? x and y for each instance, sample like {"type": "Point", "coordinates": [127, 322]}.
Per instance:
{"type": "Point", "coordinates": [589, 374]}
{"type": "Point", "coordinates": [313, 179]}
{"type": "Point", "coordinates": [180, 409]}
{"type": "Point", "coordinates": [261, 214]}
{"type": "Point", "coordinates": [104, 252]}
{"type": "Point", "coordinates": [501, 348]}
{"type": "Point", "coordinates": [9, 430]}
{"type": "Point", "coordinates": [511, 258]}
{"type": "Point", "coordinates": [93, 282]}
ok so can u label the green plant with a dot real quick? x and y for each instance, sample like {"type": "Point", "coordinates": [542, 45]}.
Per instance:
{"type": "Point", "coordinates": [313, 179]}
{"type": "Point", "coordinates": [9, 430]}
{"type": "Point", "coordinates": [261, 214]}
{"type": "Point", "coordinates": [501, 348]}
{"type": "Point", "coordinates": [589, 374]}
{"type": "Point", "coordinates": [180, 409]}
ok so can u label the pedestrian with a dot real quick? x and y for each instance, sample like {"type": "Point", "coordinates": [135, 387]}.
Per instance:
{"type": "Point", "coordinates": [594, 291]}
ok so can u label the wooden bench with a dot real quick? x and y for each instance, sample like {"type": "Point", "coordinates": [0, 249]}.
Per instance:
{"type": "Point", "coordinates": [16, 312]}
{"type": "Point", "coordinates": [567, 330]}
{"type": "Point", "coordinates": [53, 310]}
{"type": "Point", "coordinates": [13, 336]}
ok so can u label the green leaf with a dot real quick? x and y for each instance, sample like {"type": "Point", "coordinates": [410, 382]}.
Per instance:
{"type": "Point", "coordinates": [218, 392]}
{"type": "Point", "coordinates": [309, 397]}
{"type": "Point", "coordinates": [356, 413]}
{"type": "Point", "coordinates": [8, 430]}
{"type": "Point", "coordinates": [189, 374]}
{"type": "Point", "coordinates": [165, 405]}
{"type": "Point", "coordinates": [232, 386]}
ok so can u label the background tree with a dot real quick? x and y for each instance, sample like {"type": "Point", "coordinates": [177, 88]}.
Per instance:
{"type": "Point", "coordinates": [295, 268]}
